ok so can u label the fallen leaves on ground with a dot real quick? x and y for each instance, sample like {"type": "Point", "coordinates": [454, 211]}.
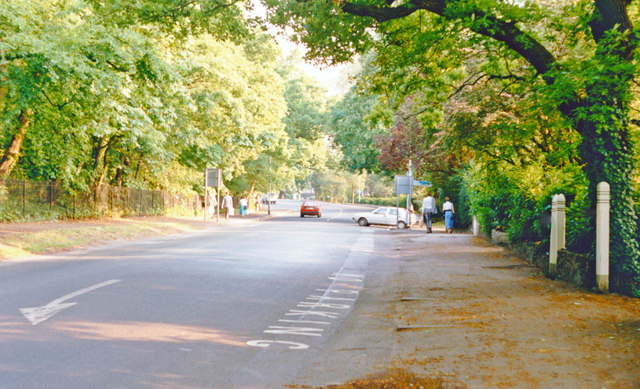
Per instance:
{"type": "Point", "coordinates": [392, 379]}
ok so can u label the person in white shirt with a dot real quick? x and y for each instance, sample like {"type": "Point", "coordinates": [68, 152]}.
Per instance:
{"type": "Point", "coordinates": [244, 207]}
{"type": "Point", "coordinates": [213, 204]}
{"type": "Point", "coordinates": [428, 210]}
{"type": "Point", "coordinates": [448, 211]}
{"type": "Point", "coordinates": [227, 204]}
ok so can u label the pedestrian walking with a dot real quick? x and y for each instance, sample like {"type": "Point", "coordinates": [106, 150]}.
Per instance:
{"type": "Point", "coordinates": [448, 211]}
{"type": "Point", "coordinates": [244, 206]}
{"type": "Point", "coordinates": [429, 209]}
{"type": "Point", "coordinates": [227, 204]}
{"type": "Point", "coordinates": [213, 203]}
{"type": "Point", "coordinates": [258, 202]}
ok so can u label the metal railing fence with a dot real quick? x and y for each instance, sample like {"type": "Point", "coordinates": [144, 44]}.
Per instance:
{"type": "Point", "coordinates": [34, 200]}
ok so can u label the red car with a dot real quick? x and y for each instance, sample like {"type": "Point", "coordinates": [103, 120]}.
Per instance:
{"type": "Point", "coordinates": [311, 208]}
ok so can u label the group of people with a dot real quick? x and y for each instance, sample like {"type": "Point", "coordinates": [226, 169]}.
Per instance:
{"type": "Point", "coordinates": [226, 205]}
{"type": "Point", "coordinates": [429, 210]}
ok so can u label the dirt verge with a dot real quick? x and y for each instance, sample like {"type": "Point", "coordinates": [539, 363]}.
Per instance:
{"type": "Point", "coordinates": [27, 239]}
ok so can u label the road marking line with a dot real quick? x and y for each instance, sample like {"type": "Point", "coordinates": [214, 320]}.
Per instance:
{"type": "Point", "coordinates": [319, 298]}
{"type": "Point", "coordinates": [267, 343]}
{"type": "Point", "coordinates": [308, 304]}
{"type": "Point", "coordinates": [347, 281]}
{"type": "Point", "coordinates": [303, 331]}
{"type": "Point", "coordinates": [305, 321]}
{"type": "Point", "coordinates": [37, 315]}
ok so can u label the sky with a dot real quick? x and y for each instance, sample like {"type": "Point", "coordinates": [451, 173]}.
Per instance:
{"type": "Point", "coordinates": [335, 79]}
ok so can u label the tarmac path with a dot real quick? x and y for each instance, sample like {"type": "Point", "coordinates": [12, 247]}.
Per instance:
{"type": "Point", "coordinates": [458, 310]}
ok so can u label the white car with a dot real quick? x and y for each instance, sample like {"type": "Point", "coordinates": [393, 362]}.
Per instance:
{"type": "Point", "coordinates": [269, 198]}
{"type": "Point", "coordinates": [389, 216]}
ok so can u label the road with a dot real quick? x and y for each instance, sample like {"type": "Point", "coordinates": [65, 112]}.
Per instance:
{"type": "Point", "coordinates": [242, 305]}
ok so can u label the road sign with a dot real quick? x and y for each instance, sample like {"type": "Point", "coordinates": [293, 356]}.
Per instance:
{"type": "Point", "coordinates": [404, 185]}
{"type": "Point", "coordinates": [421, 183]}
{"type": "Point", "coordinates": [213, 177]}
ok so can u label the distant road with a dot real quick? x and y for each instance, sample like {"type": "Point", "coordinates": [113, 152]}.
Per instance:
{"type": "Point", "coordinates": [239, 305]}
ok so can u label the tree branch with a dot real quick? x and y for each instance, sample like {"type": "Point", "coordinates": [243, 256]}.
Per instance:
{"type": "Point", "coordinates": [59, 106]}
{"type": "Point", "coordinates": [172, 13]}
{"type": "Point", "coordinates": [482, 23]}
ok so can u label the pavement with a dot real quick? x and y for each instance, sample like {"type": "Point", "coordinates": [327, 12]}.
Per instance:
{"type": "Point", "coordinates": [468, 314]}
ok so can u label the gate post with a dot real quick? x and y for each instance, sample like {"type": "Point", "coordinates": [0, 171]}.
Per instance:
{"type": "Point", "coordinates": [602, 236]}
{"type": "Point", "coordinates": [475, 227]}
{"type": "Point", "coordinates": [562, 223]}
{"type": "Point", "coordinates": [553, 242]}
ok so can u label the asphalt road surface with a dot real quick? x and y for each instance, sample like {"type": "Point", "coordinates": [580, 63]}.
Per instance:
{"type": "Point", "coordinates": [242, 305]}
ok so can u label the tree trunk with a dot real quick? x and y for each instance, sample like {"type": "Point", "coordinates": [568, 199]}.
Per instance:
{"type": "Point", "coordinates": [607, 147]}
{"type": "Point", "coordinates": [99, 162]}
{"type": "Point", "coordinates": [12, 154]}
{"type": "Point", "coordinates": [607, 150]}
{"type": "Point", "coordinates": [119, 178]}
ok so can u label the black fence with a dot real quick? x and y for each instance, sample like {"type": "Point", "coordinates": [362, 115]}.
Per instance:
{"type": "Point", "coordinates": [32, 200]}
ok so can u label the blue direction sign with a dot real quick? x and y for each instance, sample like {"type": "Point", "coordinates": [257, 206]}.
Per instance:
{"type": "Point", "coordinates": [421, 183]}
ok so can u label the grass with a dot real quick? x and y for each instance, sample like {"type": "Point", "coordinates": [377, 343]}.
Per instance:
{"type": "Point", "coordinates": [25, 244]}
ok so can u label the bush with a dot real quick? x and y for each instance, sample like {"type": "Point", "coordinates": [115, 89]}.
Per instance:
{"type": "Point", "coordinates": [390, 201]}
{"type": "Point", "coordinates": [518, 202]}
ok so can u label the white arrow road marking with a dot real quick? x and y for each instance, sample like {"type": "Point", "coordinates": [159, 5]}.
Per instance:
{"type": "Point", "coordinates": [39, 314]}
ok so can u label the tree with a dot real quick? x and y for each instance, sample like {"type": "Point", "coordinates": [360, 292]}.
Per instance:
{"type": "Point", "coordinates": [588, 78]}
{"type": "Point", "coordinates": [95, 71]}
{"type": "Point", "coordinates": [237, 107]}
{"type": "Point", "coordinates": [354, 133]}
{"type": "Point", "coordinates": [119, 92]}
{"type": "Point", "coordinates": [305, 125]}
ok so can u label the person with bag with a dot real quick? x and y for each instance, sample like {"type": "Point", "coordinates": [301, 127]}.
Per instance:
{"type": "Point", "coordinates": [244, 207]}
{"type": "Point", "coordinates": [227, 204]}
{"type": "Point", "coordinates": [428, 210]}
{"type": "Point", "coordinates": [448, 211]}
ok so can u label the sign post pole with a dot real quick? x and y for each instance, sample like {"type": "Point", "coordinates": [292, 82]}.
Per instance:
{"type": "Point", "coordinates": [409, 214]}
{"type": "Point", "coordinates": [218, 182]}
{"type": "Point", "coordinates": [212, 177]}
{"type": "Point", "coordinates": [206, 195]}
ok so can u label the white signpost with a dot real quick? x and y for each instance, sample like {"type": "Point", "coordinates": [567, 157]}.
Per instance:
{"type": "Point", "coordinates": [212, 177]}
{"type": "Point", "coordinates": [603, 209]}
{"type": "Point", "coordinates": [404, 185]}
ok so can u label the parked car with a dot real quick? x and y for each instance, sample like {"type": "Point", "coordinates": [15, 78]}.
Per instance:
{"type": "Point", "coordinates": [389, 216]}
{"type": "Point", "coordinates": [269, 198]}
{"type": "Point", "coordinates": [310, 208]}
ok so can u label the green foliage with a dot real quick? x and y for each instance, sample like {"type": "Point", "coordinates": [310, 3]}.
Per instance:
{"type": "Point", "coordinates": [377, 185]}
{"type": "Point", "coordinates": [143, 94]}
{"type": "Point", "coordinates": [331, 186]}
{"type": "Point", "coordinates": [389, 201]}
{"type": "Point", "coordinates": [354, 134]}
{"type": "Point", "coordinates": [519, 202]}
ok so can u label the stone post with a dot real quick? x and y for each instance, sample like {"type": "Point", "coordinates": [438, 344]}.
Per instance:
{"type": "Point", "coordinates": [602, 237]}
{"type": "Point", "coordinates": [562, 222]}
{"type": "Point", "coordinates": [475, 227]}
{"type": "Point", "coordinates": [553, 242]}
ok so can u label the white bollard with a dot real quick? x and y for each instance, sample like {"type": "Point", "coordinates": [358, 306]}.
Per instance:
{"type": "Point", "coordinates": [553, 243]}
{"type": "Point", "coordinates": [562, 222]}
{"type": "Point", "coordinates": [602, 236]}
{"type": "Point", "coordinates": [476, 227]}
